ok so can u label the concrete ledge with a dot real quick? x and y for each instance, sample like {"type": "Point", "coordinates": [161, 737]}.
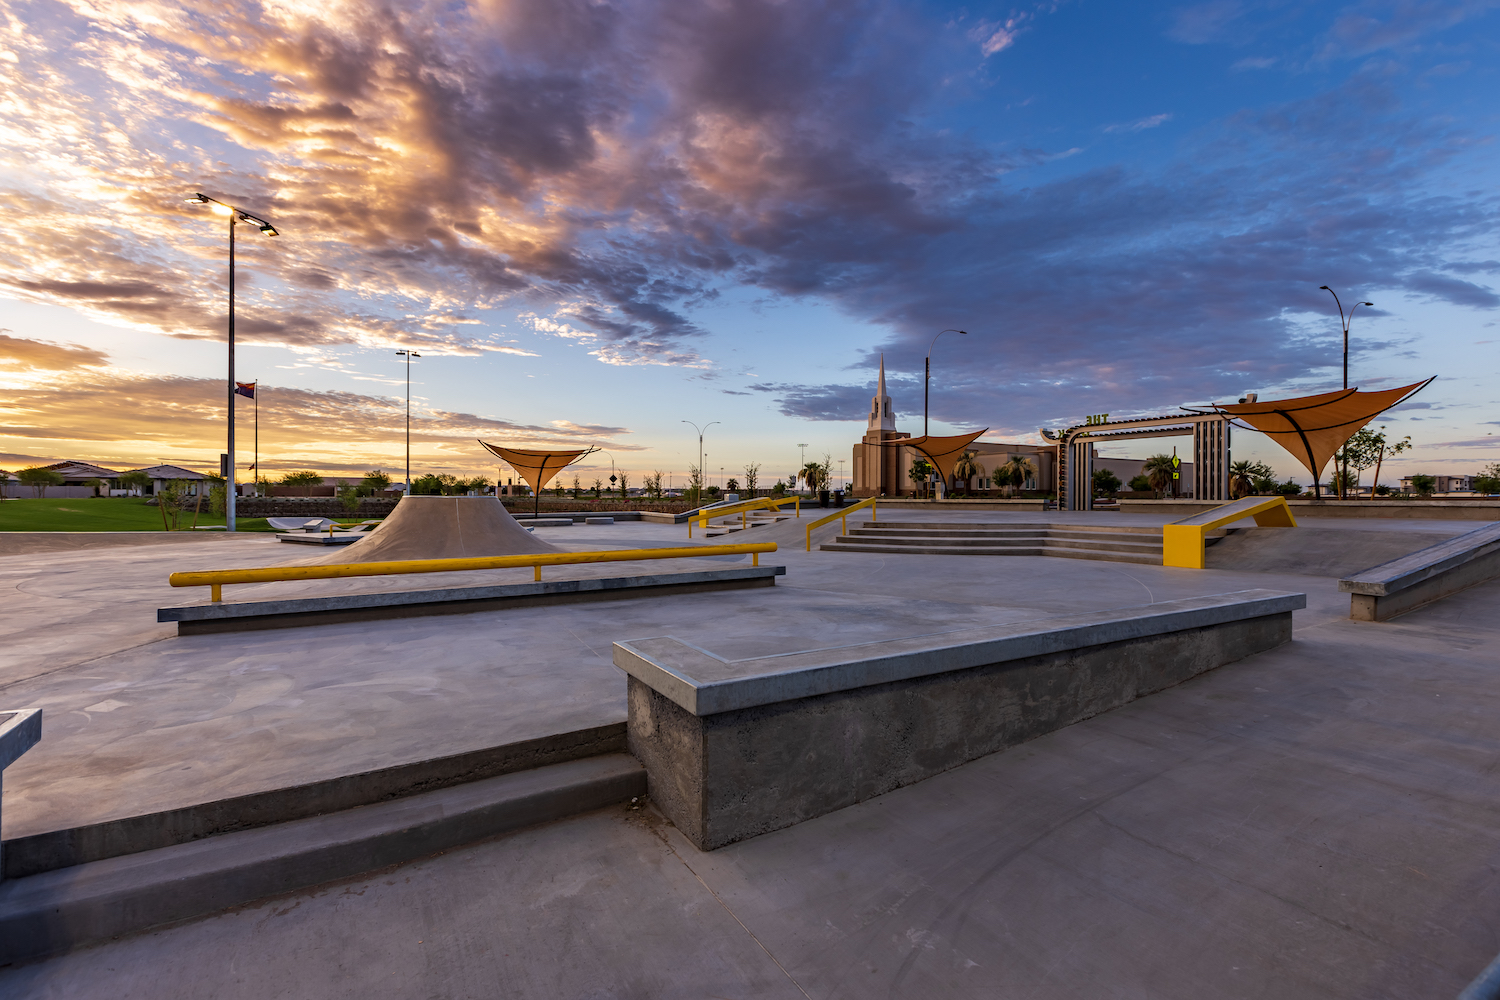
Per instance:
{"type": "Point", "coordinates": [321, 538]}
{"type": "Point", "coordinates": [20, 729]}
{"type": "Point", "coordinates": [1385, 591]}
{"type": "Point", "coordinates": [57, 911]}
{"type": "Point", "coordinates": [197, 619]}
{"type": "Point", "coordinates": [739, 748]}
{"type": "Point", "coordinates": [26, 856]}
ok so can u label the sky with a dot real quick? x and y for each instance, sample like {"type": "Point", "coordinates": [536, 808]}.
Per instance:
{"type": "Point", "coordinates": [599, 220]}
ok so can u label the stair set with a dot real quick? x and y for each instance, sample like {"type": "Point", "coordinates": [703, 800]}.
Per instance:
{"type": "Point", "coordinates": [751, 519]}
{"type": "Point", "coordinates": [1069, 541]}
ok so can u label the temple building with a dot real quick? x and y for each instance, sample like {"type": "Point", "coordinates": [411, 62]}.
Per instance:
{"type": "Point", "coordinates": [883, 459]}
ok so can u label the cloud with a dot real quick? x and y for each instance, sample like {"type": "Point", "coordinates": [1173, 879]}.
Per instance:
{"type": "Point", "coordinates": [1462, 293]}
{"type": "Point", "coordinates": [1139, 124]}
{"type": "Point", "coordinates": [120, 418]}
{"type": "Point", "coordinates": [42, 355]}
{"type": "Point", "coordinates": [1205, 22]}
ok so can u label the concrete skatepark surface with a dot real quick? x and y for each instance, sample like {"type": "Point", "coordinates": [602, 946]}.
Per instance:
{"type": "Point", "coordinates": [437, 527]}
{"type": "Point", "coordinates": [1311, 822]}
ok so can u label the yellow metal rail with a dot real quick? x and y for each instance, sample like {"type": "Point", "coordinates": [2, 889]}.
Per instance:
{"type": "Point", "coordinates": [216, 579]}
{"type": "Point", "coordinates": [840, 516]}
{"type": "Point", "coordinates": [742, 509]}
{"type": "Point", "coordinates": [1182, 541]}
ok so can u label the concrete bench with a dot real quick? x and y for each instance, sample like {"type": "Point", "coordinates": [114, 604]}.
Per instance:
{"type": "Point", "coordinates": [598, 520]}
{"type": "Point", "coordinates": [20, 729]}
{"type": "Point", "coordinates": [1424, 576]}
{"type": "Point", "coordinates": [738, 748]}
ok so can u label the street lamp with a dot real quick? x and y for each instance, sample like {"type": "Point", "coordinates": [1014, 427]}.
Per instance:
{"type": "Point", "coordinates": [927, 374]}
{"type": "Point", "coordinates": [236, 216]}
{"type": "Point", "coordinates": [1344, 321]}
{"type": "Point", "coordinates": [699, 498]}
{"type": "Point", "coordinates": [409, 355]}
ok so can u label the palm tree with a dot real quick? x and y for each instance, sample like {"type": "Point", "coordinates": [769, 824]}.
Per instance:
{"type": "Point", "coordinates": [1021, 469]}
{"type": "Point", "coordinates": [1240, 478]}
{"type": "Point", "coordinates": [1158, 470]}
{"type": "Point", "coordinates": [966, 469]}
{"type": "Point", "coordinates": [812, 475]}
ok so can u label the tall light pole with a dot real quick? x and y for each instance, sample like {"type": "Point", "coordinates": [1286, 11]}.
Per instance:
{"type": "Point", "coordinates": [927, 374]}
{"type": "Point", "coordinates": [699, 498]}
{"type": "Point", "coordinates": [236, 216]}
{"type": "Point", "coordinates": [409, 355]}
{"type": "Point", "coordinates": [1344, 321]}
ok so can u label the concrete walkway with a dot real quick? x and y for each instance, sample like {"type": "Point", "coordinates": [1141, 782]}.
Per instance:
{"type": "Point", "coordinates": [1311, 823]}
{"type": "Point", "coordinates": [139, 719]}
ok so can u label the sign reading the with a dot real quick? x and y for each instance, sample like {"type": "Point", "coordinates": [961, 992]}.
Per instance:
{"type": "Point", "coordinates": [1096, 419]}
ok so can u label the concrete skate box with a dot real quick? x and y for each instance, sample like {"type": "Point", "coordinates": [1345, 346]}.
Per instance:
{"type": "Point", "coordinates": [738, 748]}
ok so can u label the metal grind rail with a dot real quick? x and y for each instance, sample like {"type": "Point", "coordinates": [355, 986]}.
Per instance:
{"type": "Point", "coordinates": [841, 516]}
{"type": "Point", "coordinates": [217, 579]}
{"type": "Point", "coordinates": [742, 508]}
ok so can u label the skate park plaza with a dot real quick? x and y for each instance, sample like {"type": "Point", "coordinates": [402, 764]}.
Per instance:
{"type": "Point", "coordinates": [892, 749]}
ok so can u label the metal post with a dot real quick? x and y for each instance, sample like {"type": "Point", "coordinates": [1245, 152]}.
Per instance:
{"type": "Point", "coordinates": [229, 511]}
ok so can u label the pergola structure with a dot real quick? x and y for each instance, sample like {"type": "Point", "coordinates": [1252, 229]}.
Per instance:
{"type": "Point", "coordinates": [1075, 453]}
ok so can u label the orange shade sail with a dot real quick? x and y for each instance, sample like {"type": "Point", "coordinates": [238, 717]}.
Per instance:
{"type": "Point", "coordinates": [944, 452]}
{"type": "Point", "coordinates": [1312, 428]}
{"type": "Point", "coordinates": [535, 465]}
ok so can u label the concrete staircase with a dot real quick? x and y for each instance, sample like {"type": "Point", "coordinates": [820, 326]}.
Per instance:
{"type": "Point", "coordinates": [1069, 541]}
{"type": "Point", "coordinates": [753, 519]}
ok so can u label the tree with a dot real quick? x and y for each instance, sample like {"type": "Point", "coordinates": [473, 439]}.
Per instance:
{"type": "Point", "coordinates": [39, 477]}
{"type": "Point", "coordinates": [1105, 482]}
{"type": "Point", "coordinates": [1159, 470]}
{"type": "Point", "coordinates": [1021, 470]}
{"type": "Point", "coordinates": [653, 484]}
{"type": "Point", "coordinates": [577, 487]}
{"type": "Point", "coordinates": [966, 469]}
{"type": "Point", "coordinates": [919, 471]}
{"type": "Point", "coordinates": [752, 473]}
{"type": "Point", "coordinates": [1488, 481]}
{"type": "Point", "coordinates": [306, 478]}
{"type": "Point", "coordinates": [348, 496]}
{"type": "Point", "coordinates": [812, 475]}
{"type": "Point", "coordinates": [135, 480]}
{"type": "Point", "coordinates": [1288, 488]}
{"type": "Point", "coordinates": [374, 481]}
{"type": "Point", "coordinates": [598, 488]}
{"type": "Point", "coordinates": [1140, 484]}
{"type": "Point", "coordinates": [170, 500]}
{"type": "Point", "coordinates": [94, 484]}
{"type": "Point", "coordinates": [779, 489]}
{"type": "Point", "coordinates": [695, 484]}
{"type": "Point", "coordinates": [624, 484]}
{"type": "Point", "coordinates": [1004, 476]}
{"type": "Point", "coordinates": [1424, 485]}
{"type": "Point", "coordinates": [733, 485]}
{"type": "Point", "coordinates": [1391, 448]}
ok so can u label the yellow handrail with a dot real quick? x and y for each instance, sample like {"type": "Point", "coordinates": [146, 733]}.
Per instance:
{"type": "Point", "coordinates": [215, 579]}
{"type": "Point", "coordinates": [840, 516]}
{"type": "Point", "coordinates": [741, 508]}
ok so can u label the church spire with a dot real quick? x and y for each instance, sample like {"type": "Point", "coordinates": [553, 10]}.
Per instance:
{"type": "Point", "coordinates": [882, 415]}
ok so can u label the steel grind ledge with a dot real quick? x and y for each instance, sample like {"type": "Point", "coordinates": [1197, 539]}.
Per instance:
{"type": "Point", "coordinates": [59, 910]}
{"type": "Point", "coordinates": [734, 749]}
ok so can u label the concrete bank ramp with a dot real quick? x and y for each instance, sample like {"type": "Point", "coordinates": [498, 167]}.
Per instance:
{"type": "Point", "coordinates": [441, 528]}
{"type": "Point", "coordinates": [1314, 551]}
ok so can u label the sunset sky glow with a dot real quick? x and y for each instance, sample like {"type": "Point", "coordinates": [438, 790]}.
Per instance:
{"type": "Point", "coordinates": [598, 218]}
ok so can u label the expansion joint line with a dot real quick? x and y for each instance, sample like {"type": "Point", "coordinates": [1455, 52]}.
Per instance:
{"type": "Point", "coordinates": [735, 917]}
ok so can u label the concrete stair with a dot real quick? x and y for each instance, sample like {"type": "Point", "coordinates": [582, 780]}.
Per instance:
{"type": "Point", "coordinates": [732, 524]}
{"type": "Point", "coordinates": [1068, 541]}
{"type": "Point", "coordinates": [56, 911]}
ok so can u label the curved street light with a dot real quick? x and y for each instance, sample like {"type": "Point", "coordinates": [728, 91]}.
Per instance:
{"type": "Point", "coordinates": [1344, 321]}
{"type": "Point", "coordinates": [927, 374]}
{"type": "Point", "coordinates": [698, 498]}
{"type": "Point", "coordinates": [236, 216]}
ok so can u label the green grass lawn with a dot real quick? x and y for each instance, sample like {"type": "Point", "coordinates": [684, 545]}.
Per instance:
{"type": "Point", "coordinates": [102, 514]}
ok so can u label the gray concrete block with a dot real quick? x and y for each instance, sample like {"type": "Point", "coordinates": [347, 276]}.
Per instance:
{"type": "Point", "coordinates": [1430, 574]}
{"type": "Point", "coordinates": [598, 520]}
{"type": "Point", "coordinates": [20, 730]}
{"type": "Point", "coordinates": [195, 619]}
{"type": "Point", "coordinates": [61, 910]}
{"type": "Point", "coordinates": [736, 749]}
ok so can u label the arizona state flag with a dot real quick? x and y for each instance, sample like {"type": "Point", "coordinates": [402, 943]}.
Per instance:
{"type": "Point", "coordinates": [245, 389]}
